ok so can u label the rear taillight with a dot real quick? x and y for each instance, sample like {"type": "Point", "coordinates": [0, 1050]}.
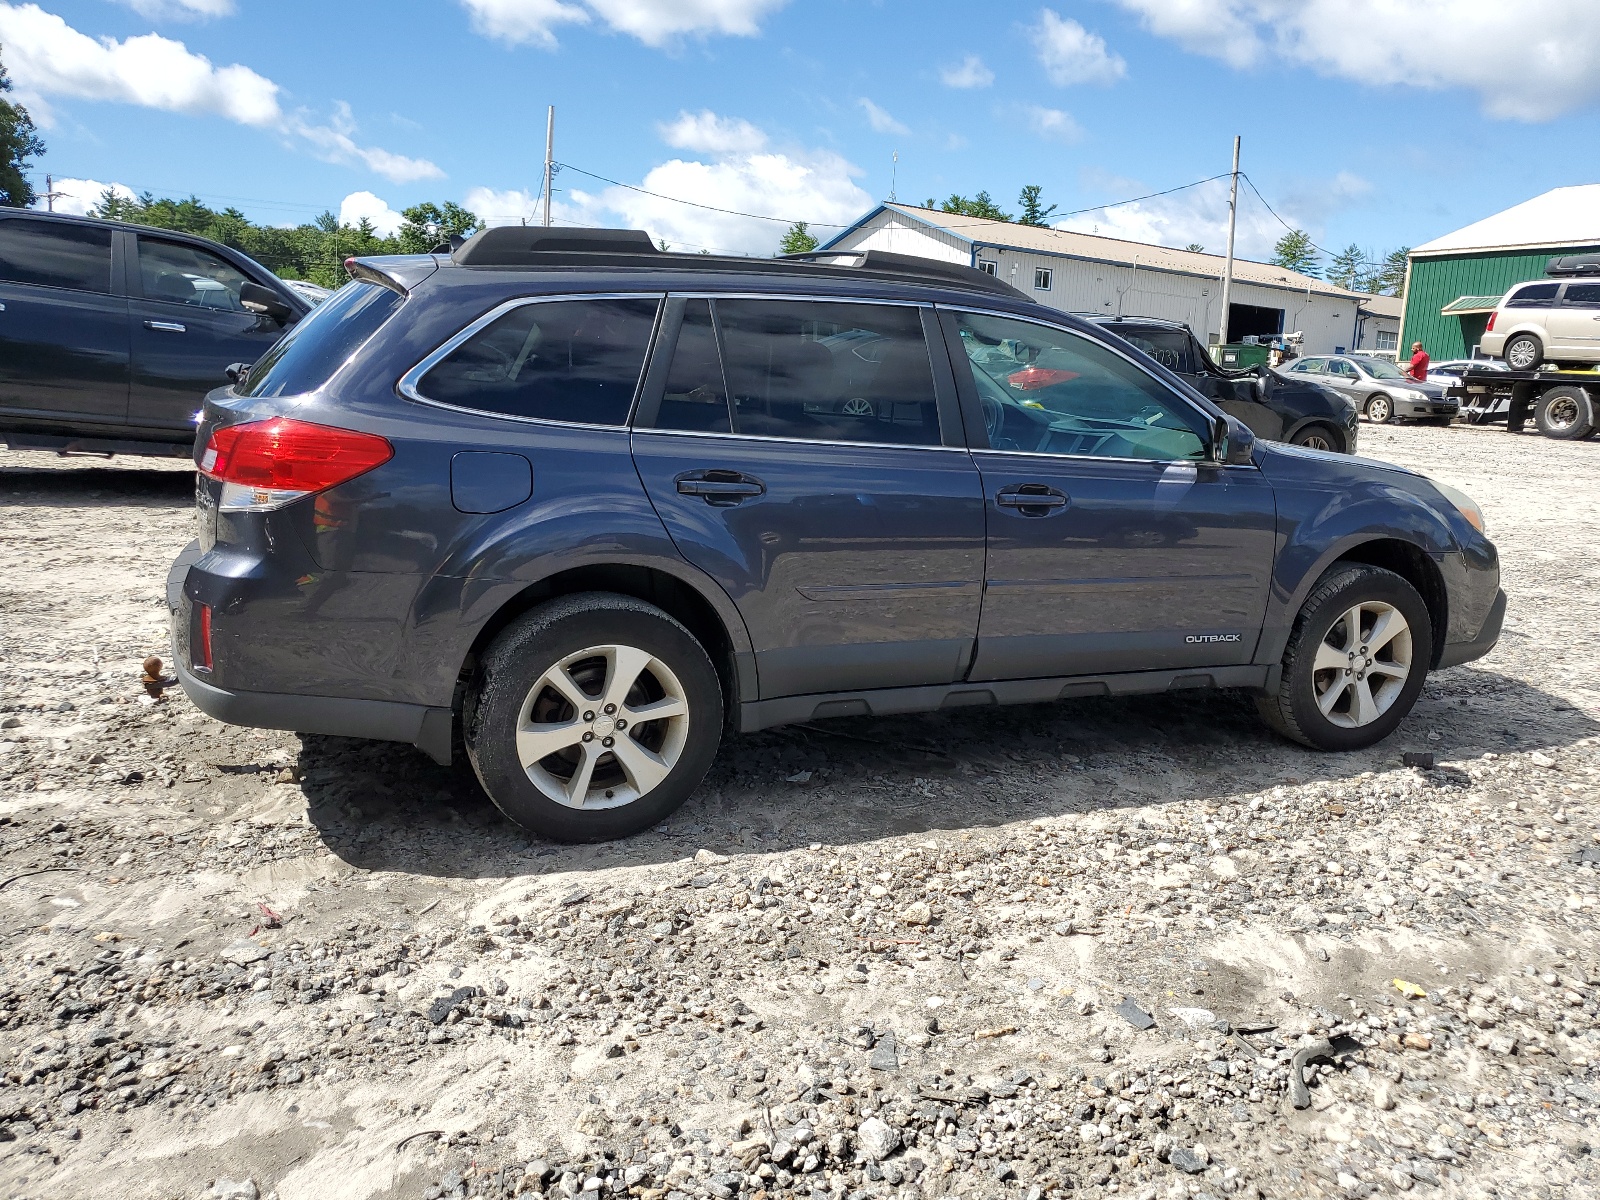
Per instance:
{"type": "Point", "coordinates": [1489, 328]}
{"type": "Point", "coordinates": [264, 465]}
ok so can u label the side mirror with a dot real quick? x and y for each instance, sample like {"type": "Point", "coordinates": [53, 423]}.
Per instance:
{"type": "Point", "coordinates": [1219, 439]}
{"type": "Point", "coordinates": [1232, 443]}
{"type": "Point", "coordinates": [261, 299]}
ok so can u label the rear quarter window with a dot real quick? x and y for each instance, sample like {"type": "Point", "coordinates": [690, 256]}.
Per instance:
{"type": "Point", "coordinates": [55, 254]}
{"type": "Point", "coordinates": [306, 357]}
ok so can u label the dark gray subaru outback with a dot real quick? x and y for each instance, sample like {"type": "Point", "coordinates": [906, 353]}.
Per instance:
{"type": "Point", "coordinates": [579, 506]}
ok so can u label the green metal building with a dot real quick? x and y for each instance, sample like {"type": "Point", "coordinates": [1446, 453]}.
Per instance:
{"type": "Point", "coordinates": [1454, 282]}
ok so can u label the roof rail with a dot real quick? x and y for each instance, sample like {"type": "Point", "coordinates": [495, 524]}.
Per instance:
{"type": "Point", "coordinates": [928, 270]}
{"type": "Point", "coordinates": [538, 245]}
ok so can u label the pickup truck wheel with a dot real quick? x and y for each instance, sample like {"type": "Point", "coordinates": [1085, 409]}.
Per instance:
{"type": "Point", "coordinates": [593, 717]}
{"type": "Point", "coordinates": [1316, 437]}
{"type": "Point", "coordinates": [1380, 409]}
{"type": "Point", "coordinates": [1524, 352]}
{"type": "Point", "coordinates": [1355, 661]}
{"type": "Point", "coordinates": [1565, 413]}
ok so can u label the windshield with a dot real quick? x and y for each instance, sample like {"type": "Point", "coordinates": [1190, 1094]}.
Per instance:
{"type": "Point", "coordinates": [306, 357]}
{"type": "Point", "coordinates": [1379, 368]}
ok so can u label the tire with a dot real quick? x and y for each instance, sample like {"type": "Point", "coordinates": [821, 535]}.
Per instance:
{"type": "Point", "coordinates": [1379, 409]}
{"type": "Point", "coordinates": [533, 675]}
{"type": "Point", "coordinates": [1316, 437]}
{"type": "Point", "coordinates": [1523, 352]}
{"type": "Point", "coordinates": [1565, 413]}
{"type": "Point", "coordinates": [1321, 635]}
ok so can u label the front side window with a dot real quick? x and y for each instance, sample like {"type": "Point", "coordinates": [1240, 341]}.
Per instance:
{"type": "Point", "coordinates": [1047, 391]}
{"type": "Point", "coordinates": [1535, 295]}
{"type": "Point", "coordinates": [824, 371]}
{"type": "Point", "coordinates": [575, 361]}
{"type": "Point", "coordinates": [1041, 279]}
{"type": "Point", "coordinates": [52, 254]}
{"type": "Point", "coordinates": [1338, 366]}
{"type": "Point", "coordinates": [1582, 295]}
{"type": "Point", "coordinates": [306, 357]}
{"type": "Point", "coordinates": [182, 274]}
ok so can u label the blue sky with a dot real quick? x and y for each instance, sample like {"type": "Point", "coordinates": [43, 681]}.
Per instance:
{"type": "Point", "coordinates": [1379, 122]}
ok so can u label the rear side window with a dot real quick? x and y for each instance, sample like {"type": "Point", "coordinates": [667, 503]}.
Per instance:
{"type": "Point", "coordinates": [55, 255]}
{"type": "Point", "coordinates": [306, 357]}
{"type": "Point", "coordinates": [1535, 295]}
{"type": "Point", "coordinates": [823, 371]}
{"type": "Point", "coordinates": [576, 361]}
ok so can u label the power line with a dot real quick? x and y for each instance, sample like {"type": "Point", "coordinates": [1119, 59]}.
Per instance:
{"type": "Point", "coordinates": [695, 204]}
{"type": "Point", "coordinates": [1279, 219]}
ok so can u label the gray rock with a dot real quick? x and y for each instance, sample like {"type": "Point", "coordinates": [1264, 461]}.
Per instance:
{"type": "Point", "coordinates": [1186, 1160]}
{"type": "Point", "coordinates": [877, 1139]}
{"type": "Point", "coordinates": [228, 1189]}
{"type": "Point", "coordinates": [243, 953]}
{"type": "Point", "coordinates": [885, 1055]}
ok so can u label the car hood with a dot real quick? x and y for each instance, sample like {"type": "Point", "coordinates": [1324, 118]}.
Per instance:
{"type": "Point", "coordinates": [1280, 460]}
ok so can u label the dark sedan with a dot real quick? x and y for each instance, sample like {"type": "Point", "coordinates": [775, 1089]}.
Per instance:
{"type": "Point", "coordinates": [1302, 413]}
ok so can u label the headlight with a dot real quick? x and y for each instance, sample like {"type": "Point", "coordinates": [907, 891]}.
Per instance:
{"type": "Point", "coordinates": [1465, 505]}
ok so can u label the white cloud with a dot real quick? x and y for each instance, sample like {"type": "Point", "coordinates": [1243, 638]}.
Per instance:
{"type": "Point", "coordinates": [359, 206]}
{"type": "Point", "coordinates": [1054, 124]}
{"type": "Point", "coordinates": [1197, 214]}
{"type": "Point", "coordinates": [1071, 54]}
{"type": "Point", "coordinates": [1532, 60]}
{"type": "Point", "coordinates": [653, 22]}
{"type": "Point", "coordinates": [970, 72]}
{"type": "Point", "coordinates": [708, 133]}
{"type": "Point", "coordinates": [880, 120]}
{"type": "Point", "coordinates": [516, 207]}
{"type": "Point", "coordinates": [181, 10]}
{"type": "Point", "coordinates": [46, 57]}
{"type": "Point", "coordinates": [78, 196]}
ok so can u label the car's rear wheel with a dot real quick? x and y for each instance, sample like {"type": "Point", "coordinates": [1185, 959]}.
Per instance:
{"type": "Point", "coordinates": [1316, 437]}
{"type": "Point", "coordinates": [1355, 661]}
{"type": "Point", "coordinates": [1380, 409]}
{"type": "Point", "coordinates": [1565, 413]}
{"type": "Point", "coordinates": [1524, 352]}
{"type": "Point", "coordinates": [593, 717]}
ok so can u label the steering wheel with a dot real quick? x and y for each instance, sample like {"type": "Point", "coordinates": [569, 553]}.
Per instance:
{"type": "Point", "coordinates": [994, 417]}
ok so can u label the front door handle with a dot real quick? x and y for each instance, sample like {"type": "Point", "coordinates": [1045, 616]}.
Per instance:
{"type": "Point", "coordinates": [723, 489]}
{"type": "Point", "coordinates": [166, 326]}
{"type": "Point", "coordinates": [1033, 499]}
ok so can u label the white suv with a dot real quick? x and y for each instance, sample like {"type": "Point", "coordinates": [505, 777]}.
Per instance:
{"type": "Point", "coordinates": [1548, 321]}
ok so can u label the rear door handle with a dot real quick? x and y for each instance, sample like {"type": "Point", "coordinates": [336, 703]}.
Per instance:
{"type": "Point", "coordinates": [720, 488]}
{"type": "Point", "coordinates": [167, 326]}
{"type": "Point", "coordinates": [1033, 499]}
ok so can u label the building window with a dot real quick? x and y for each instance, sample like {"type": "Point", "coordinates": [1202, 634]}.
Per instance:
{"type": "Point", "coordinates": [1388, 339]}
{"type": "Point", "coordinates": [1041, 279]}
{"type": "Point", "coordinates": [986, 265]}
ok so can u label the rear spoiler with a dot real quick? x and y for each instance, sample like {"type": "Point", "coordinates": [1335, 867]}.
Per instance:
{"type": "Point", "coordinates": [397, 272]}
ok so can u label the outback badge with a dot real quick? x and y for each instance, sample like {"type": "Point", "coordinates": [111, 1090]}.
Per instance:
{"type": "Point", "coordinates": [1197, 638]}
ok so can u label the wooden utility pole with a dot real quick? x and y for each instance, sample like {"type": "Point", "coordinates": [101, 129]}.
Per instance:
{"type": "Point", "coordinates": [1227, 269]}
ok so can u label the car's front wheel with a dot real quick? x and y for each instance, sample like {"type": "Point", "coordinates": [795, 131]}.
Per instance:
{"type": "Point", "coordinates": [1355, 661]}
{"type": "Point", "coordinates": [1316, 437]}
{"type": "Point", "coordinates": [1524, 352]}
{"type": "Point", "coordinates": [593, 717]}
{"type": "Point", "coordinates": [1379, 409]}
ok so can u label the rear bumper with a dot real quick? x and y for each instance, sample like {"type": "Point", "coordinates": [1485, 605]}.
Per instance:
{"type": "Point", "coordinates": [1456, 653]}
{"type": "Point", "coordinates": [425, 727]}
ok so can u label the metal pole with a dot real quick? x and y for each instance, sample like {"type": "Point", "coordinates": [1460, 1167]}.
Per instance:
{"type": "Point", "coordinates": [50, 192]}
{"type": "Point", "coordinates": [549, 159]}
{"type": "Point", "coordinates": [1227, 269]}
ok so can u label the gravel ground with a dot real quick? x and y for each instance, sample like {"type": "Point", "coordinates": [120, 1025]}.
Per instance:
{"type": "Point", "coordinates": [1080, 949]}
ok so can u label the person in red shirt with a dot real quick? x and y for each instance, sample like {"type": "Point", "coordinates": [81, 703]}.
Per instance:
{"type": "Point", "coordinates": [1419, 361]}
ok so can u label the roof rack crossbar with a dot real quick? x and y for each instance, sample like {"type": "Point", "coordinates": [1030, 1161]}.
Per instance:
{"type": "Point", "coordinates": [884, 262]}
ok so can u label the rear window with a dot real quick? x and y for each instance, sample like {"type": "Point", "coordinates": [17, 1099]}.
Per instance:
{"type": "Point", "coordinates": [53, 254]}
{"type": "Point", "coordinates": [306, 357]}
{"type": "Point", "coordinates": [1535, 295]}
{"type": "Point", "coordinates": [576, 361]}
{"type": "Point", "coordinates": [1169, 347]}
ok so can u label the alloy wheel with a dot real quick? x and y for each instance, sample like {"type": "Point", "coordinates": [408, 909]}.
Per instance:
{"type": "Point", "coordinates": [1520, 355]}
{"type": "Point", "coordinates": [1317, 441]}
{"type": "Point", "coordinates": [1378, 410]}
{"type": "Point", "coordinates": [603, 727]}
{"type": "Point", "coordinates": [1362, 664]}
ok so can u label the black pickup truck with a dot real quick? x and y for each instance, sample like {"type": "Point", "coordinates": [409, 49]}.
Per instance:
{"type": "Point", "coordinates": [112, 334]}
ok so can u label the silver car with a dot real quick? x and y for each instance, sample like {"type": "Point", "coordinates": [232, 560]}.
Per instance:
{"type": "Point", "coordinates": [1382, 391]}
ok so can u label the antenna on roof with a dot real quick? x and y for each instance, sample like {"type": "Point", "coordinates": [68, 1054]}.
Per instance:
{"type": "Point", "coordinates": [894, 172]}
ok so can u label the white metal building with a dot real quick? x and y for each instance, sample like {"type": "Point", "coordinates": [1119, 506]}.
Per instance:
{"type": "Point", "coordinates": [1085, 273]}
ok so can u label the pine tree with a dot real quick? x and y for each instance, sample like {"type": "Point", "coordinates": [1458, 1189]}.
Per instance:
{"type": "Point", "coordinates": [1389, 278]}
{"type": "Point", "coordinates": [981, 205]}
{"type": "Point", "coordinates": [1195, 248]}
{"type": "Point", "coordinates": [1350, 268]}
{"type": "Point", "coordinates": [1033, 210]}
{"type": "Point", "coordinates": [796, 240]}
{"type": "Point", "coordinates": [19, 142]}
{"type": "Point", "coordinates": [1294, 252]}
{"type": "Point", "coordinates": [427, 225]}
